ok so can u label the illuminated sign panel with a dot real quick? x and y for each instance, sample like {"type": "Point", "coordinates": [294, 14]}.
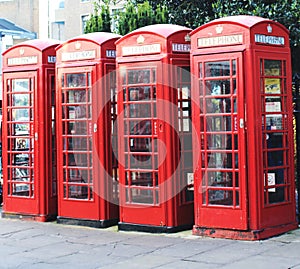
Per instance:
{"type": "Point", "coordinates": [144, 49]}
{"type": "Point", "coordinates": [220, 40]}
{"type": "Point", "coordinates": [181, 47]}
{"type": "Point", "coordinates": [271, 40]}
{"type": "Point", "coordinates": [78, 55]}
{"type": "Point", "coordinates": [22, 60]}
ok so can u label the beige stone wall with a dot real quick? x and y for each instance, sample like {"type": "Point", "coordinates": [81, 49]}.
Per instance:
{"type": "Point", "coordinates": [23, 13]}
{"type": "Point", "coordinates": [71, 15]}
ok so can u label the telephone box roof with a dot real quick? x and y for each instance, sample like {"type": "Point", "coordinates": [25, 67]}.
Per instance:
{"type": "Point", "coordinates": [246, 21]}
{"type": "Point", "coordinates": [96, 37]}
{"type": "Point", "coordinates": [163, 30]}
{"type": "Point", "coordinates": [39, 44]}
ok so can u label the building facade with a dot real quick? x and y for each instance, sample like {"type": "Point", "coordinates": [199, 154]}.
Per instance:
{"type": "Point", "coordinates": [71, 15]}
{"type": "Point", "coordinates": [24, 13]}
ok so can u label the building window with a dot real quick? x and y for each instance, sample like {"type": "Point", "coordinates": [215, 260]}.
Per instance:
{"type": "Point", "coordinates": [61, 4]}
{"type": "Point", "coordinates": [84, 20]}
{"type": "Point", "coordinates": [58, 30]}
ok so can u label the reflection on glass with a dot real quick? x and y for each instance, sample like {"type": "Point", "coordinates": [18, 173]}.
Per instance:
{"type": "Point", "coordinates": [20, 85]}
{"type": "Point", "coordinates": [220, 197]}
{"type": "Point", "coordinates": [200, 70]}
{"type": "Point", "coordinates": [76, 80]}
{"type": "Point", "coordinates": [272, 68]}
{"type": "Point", "coordinates": [139, 94]}
{"type": "Point", "coordinates": [217, 69]}
{"type": "Point", "coordinates": [217, 87]}
{"type": "Point", "coordinates": [138, 76]}
{"type": "Point", "coordinates": [218, 105]}
{"type": "Point", "coordinates": [219, 123]}
{"type": "Point", "coordinates": [20, 128]}
{"type": "Point", "coordinates": [20, 114]}
{"type": "Point", "coordinates": [20, 100]}
{"type": "Point", "coordinates": [234, 67]}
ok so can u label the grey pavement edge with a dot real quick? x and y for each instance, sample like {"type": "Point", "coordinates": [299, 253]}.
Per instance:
{"type": "Point", "coordinates": [28, 244]}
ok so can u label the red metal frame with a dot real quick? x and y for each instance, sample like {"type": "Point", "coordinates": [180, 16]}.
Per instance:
{"type": "Point", "coordinates": [153, 85]}
{"type": "Point", "coordinates": [263, 124]}
{"type": "Point", "coordinates": [87, 169]}
{"type": "Point", "coordinates": [28, 137]}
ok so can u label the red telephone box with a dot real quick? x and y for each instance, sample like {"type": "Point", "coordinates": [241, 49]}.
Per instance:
{"type": "Point", "coordinates": [154, 123]}
{"type": "Point", "coordinates": [28, 130]}
{"type": "Point", "coordinates": [87, 168]}
{"type": "Point", "coordinates": [242, 111]}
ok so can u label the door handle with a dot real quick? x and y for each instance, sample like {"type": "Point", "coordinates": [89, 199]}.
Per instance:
{"type": "Point", "coordinates": [242, 125]}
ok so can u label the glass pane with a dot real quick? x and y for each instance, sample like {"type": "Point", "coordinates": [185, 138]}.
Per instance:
{"type": "Point", "coordinates": [140, 196]}
{"type": "Point", "coordinates": [138, 76]}
{"type": "Point", "coordinates": [219, 123]}
{"type": "Point", "coordinates": [20, 85]}
{"type": "Point", "coordinates": [234, 67]}
{"type": "Point", "coordinates": [276, 195]}
{"type": "Point", "coordinates": [76, 80]}
{"type": "Point", "coordinates": [200, 70]}
{"type": "Point", "coordinates": [20, 100]}
{"type": "Point", "coordinates": [142, 127]}
{"type": "Point", "coordinates": [272, 68]}
{"type": "Point", "coordinates": [140, 110]}
{"type": "Point", "coordinates": [21, 114]}
{"type": "Point", "coordinates": [217, 87]}
{"type": "Point", "coordinates": [217, 69]}
{"type": "Point", "coordinates": [220, 197]}
{"type": "Point", "coordinates": [218, 105]}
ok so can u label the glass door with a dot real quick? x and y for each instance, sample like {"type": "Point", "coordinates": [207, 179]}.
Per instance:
{"type": "Point", "coordinates": [222, 186]}
{"type": "Point", "coordinates": [75, 153]}
{"type": "Point", "coordinates": [275, 122]}
{"type": "Point", "coordinates": [20, 136]}
{"type": "Point", "coordinates": [139, 145]}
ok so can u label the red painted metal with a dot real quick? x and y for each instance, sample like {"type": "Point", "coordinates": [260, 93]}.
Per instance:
{"type": "Point", "coordinates": [29, 162]}
{"type": "Point", "coordinates": [87, 167]}
{"type": "Point", "coordinates": [155, 151]}
{"type": "Point", "coordinates": [244, 60]}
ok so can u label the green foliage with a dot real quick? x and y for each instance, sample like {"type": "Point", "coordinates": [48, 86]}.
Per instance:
{"type": "Point", "coordinates": [136, 15]}
{"type": "Point", "coordinates": [187, 13]}
{"type": "Point", "coordinates": [286, 12]}
{"type": "Point", "coordinates": [100, 21]}
{"type": "Point", "coordinates": [127, 19]}
{"type": "Point", "coordinates": [161, 14]}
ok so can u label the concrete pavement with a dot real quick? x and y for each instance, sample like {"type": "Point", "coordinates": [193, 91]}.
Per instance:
{"type": "Point", "coordinates": [26, 244]}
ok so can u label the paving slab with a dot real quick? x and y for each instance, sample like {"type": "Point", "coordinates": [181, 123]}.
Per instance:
{"type": "Point", "coordinates": [29, 245]}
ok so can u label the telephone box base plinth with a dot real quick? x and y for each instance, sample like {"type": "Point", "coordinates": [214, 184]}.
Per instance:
{"type": "Point", "coordinates": [151, 228]}
{"type": "Point", "coordinates": [40, 218]}
{"type": "Point", "coordinates": [250, 235]}
{"type": "Point", "coordinates": [88, 223]}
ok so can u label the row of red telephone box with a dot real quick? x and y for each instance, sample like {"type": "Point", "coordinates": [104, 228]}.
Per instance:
{"type": "Point", "coordinates": [161, 130]}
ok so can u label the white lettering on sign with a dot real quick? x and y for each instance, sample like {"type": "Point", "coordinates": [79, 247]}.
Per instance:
{"type": "Point", "coordinates": [267, 39]}
{"type": "Point", "coordinates": [22, 60]}
{"type": "Point", "coordinates": [78, 55]}
{"type": "Point", "coordinates": [111, 53]}
{"type": "Point", "coordinates": [52, 59]}
{"type": "Point", "coordinates": [144, 49]}
{"type": "Point", "coordinates": [220, 40]}
{"type": "Point", "coordinates": [181, 47]}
